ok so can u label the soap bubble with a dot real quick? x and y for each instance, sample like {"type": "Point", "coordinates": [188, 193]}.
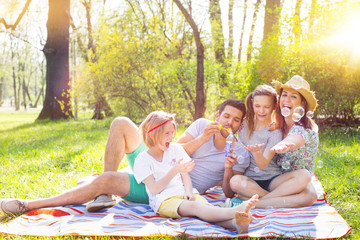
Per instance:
{"type": "Point", "coordinates": [285, 165]}
{"type": "Point", "coordinates": [257, 170]}
{"type": "Point", "coordinates": [310, 114]}
{"type": "Point", "coordinates": [285, 111]}
{"type": "Point", "coordinates": [300, 110]}
{"type": "Point", "coordinates": [296, 117]}
{"type": "Point", "coordinates": [319, 164]}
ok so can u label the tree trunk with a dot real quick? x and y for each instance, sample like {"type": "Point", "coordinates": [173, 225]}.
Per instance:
{"type": "Point", "coordinates": [271, 19]}
{"type": "Point", "coordinates": [312, 15]}
{"type": "Point", "coordinates": [254, 18]}
{"type": "Point", "coordinates": [57, 104]}
{"type": "Point", "coordinates": [297, 22]}
{"type": "Point", "coordinates": [242, 32]}
{"type": "Point", "coordinates": [218, 38]}
{"type": "Point", "coordinates": [231, 30]}
{"type": "Point", "coordinates": [200, 93]}
{"type": "Point", "coordinates": [101, 105]}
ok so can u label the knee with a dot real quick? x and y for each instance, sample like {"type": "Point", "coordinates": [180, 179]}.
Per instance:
{"type": "Point", "coordinates": [309, 197]}
{"type": "Point", "coordinates": [103, 180]}
{"type": "Point", "coordinates": [238, 183]}
{"type": "Point", "coordinates": [120, 123]}
{"type": "Point", "coordinates": [303, 176]}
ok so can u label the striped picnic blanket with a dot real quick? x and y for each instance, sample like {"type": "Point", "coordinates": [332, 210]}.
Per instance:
{"type": "Point", "coordinates": [319, 221]}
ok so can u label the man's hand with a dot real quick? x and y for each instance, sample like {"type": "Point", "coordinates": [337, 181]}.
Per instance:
{"type": "Point", "coordinates": [230, 160]}
{"type": "Point", "coordinates": [211, 129]}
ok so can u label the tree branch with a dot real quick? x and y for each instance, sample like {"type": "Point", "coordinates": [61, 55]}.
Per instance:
{"type": "Point", "coordinates": [13, 26]}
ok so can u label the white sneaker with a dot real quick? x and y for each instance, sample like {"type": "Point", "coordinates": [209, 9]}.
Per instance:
{"type": "Point", "coordinates": [100, 202]}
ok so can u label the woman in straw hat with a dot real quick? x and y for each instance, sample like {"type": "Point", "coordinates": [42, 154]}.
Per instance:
{"type": "Point", "coordinates": [297, 150]}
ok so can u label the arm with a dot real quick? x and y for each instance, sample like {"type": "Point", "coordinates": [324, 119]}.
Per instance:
{"type": "Point", "coordinates": [191, 144]}
{"type": "Point", "coordinates": [189, 195]}
{"type": "Point", "coordinates": [262, 159]}
{"type": "Point", "coordinates": [157, 187]}
{"type": "Point", "coordinates": [291, 142]}
{"type": "Point", "coordinates": [229, 173]}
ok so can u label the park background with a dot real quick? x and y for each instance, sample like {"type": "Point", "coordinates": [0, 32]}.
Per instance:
{"type": "Point", "coordinates": [88, 61]}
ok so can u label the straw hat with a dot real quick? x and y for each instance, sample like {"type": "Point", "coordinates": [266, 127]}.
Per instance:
{"type": "Point", "coordinates": [302, 86]}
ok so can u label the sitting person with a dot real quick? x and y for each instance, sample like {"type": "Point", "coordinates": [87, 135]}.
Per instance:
{"type": "Point", "coordinates": [164, 169]}
{"type": "Point", "coordinates": [202, 140]}
{"type": "Point", "coordinates": [297, 150]}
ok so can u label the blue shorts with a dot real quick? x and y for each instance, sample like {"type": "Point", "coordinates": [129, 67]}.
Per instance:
{"type": "Point", "coordinates": [265, 184]}
{"type": "Point", "coordinates": [137, 192]}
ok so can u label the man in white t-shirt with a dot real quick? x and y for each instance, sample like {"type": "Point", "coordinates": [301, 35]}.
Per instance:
{"type": "Point", "coordinates": [202, 141]}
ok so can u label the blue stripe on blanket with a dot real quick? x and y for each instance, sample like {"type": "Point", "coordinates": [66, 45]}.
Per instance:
{"type": "Point", "coordinates": [319, 221]}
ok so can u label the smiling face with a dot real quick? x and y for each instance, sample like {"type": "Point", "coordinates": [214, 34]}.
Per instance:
{"type": "Point", "coordinates": [291, 99]}
{"type": "Point", "coordinates": [167, 136]}
{"type": "Point", "coordinates": [230, 117]}
{"type": "Point", "coordinates": [263, 106]}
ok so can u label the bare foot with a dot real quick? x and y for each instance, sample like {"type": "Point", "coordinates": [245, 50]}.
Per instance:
{"type": "Point", "coordinates": [243, 217]}
{"type": "Point", "coordinates": [242, 221]}
{"type": "Point", "coordinates": [248, 204]}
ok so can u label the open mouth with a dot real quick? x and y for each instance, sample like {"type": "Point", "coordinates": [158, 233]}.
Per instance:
{"type": "Point", "coordinates": [167, 144]}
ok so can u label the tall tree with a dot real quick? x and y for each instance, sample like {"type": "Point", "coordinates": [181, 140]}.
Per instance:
{"type": "Point", "coordinates": [231, 31]}
{"type": "Point", "coordinates": [271, 19]}
{"type": "Point", "coordinates": [242, 31]}
{"type": "Point", "coordinates": [217, 30]}
{"type": "Point", "coordinates": [57, 104]}
{"type": "Point", "coordinates": [200, 92]}
{"type": "Point", "coordinates": [218, 37]}
{"type": "Point", "coordinates": [312, 15]}
{"type": "Point", "coordinates": [297, 22]}
{"type": "Point", "coordinates": [101, 105]}
{"type": "Point", "coordinates": [252, 31]}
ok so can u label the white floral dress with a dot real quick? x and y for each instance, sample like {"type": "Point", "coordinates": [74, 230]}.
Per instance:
{"type": "Point", "coordinates": [304, 156]}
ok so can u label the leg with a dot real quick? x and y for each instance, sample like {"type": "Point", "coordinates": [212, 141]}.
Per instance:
{"type": "Point", "coordinates": [227, 217]}
{"type": "Point", "coordinates": [305, 198]}
{"type": "Point", "coordinates": [289, 183]}
{"type": "Point", "coordinates": [107, 183]}
{"type": "Point", "coordinates": [246, 187]}
{"type": "Point", "coordinates": [123, 138]}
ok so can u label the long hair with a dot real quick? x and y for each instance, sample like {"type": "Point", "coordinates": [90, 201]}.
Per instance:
{"type": "Point", "coordinates": [306, 122]}
{"type": "Point", "coordinates": [261, 90]}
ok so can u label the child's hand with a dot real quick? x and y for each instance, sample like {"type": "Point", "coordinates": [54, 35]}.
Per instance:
{"type": "Point", "coordinates": [231, 159]}
{"type": "Point", "coordinates": [254, 148]}
{"type": "Point", "coordinates": [184, 167]}
{"type": "Point", "coordinates": [282, 147]}
{"type": "Point", "coordinates": [189, 196]}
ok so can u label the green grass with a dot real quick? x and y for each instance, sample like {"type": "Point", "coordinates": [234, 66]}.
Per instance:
{"type": "Point", "coordinates": [41, 159]}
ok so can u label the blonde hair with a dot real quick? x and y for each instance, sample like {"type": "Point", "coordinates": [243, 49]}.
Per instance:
{"type": "Point", "coordinates": [152, 127]}
{"type": "Point", "coordinates": [261, 90]}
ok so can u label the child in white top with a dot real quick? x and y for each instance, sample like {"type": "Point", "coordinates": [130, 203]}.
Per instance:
{"type": "Point", "coordinates": [164, 169]}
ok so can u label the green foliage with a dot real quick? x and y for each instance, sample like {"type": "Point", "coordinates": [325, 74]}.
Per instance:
{"type": "Point", "coordinates": [339, 173]}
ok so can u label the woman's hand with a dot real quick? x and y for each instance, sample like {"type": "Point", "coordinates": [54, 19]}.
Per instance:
{"type": "Point", "coordinates": [282, 147]}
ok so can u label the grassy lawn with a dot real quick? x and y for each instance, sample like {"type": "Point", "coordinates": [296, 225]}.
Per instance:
{"type": "Point", "coordinates": [41, 159]}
